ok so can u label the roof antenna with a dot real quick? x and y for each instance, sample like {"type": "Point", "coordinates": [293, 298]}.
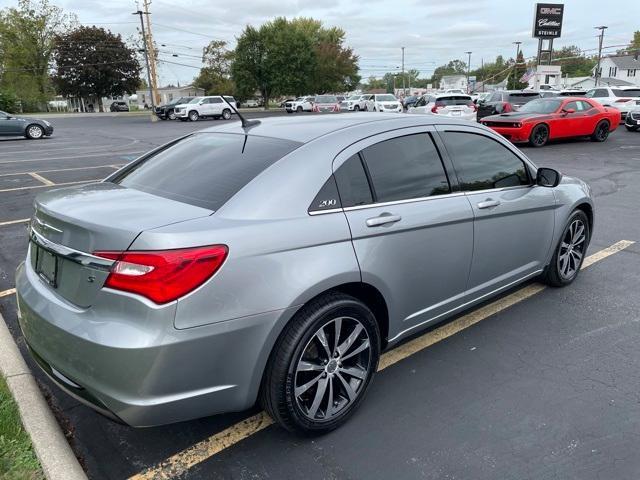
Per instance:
{"type": "Point", "coordinates": [245, 123]}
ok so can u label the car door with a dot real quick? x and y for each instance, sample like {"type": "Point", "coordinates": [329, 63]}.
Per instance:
{"type": "Point", "coordinates": [565, 124]}
{"type": "Point", "coordinates": [10, 126]}
{"type": "Point", "coordinates": [514, 219]}
{"type": "Point", "coordinates": [216, 105]}
{"type": "Point", "coordinates": [412, 233]}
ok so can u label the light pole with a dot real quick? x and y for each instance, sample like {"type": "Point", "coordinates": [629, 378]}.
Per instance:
{"type": "Point", "coordinates": [468, 69]}
{"type": "Point", "coordinates": [602, 28]}
{"type": "Point", "coordinates": [146, 59]}
{"type": "Point", "coordinates": [517, 44]}
{"type": "Point", "coordinates": [403, 89]}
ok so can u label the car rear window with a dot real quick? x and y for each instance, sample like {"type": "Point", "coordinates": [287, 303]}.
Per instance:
{"type": "Point", "coordinates": [522, 98]}
{"type": "Point", "coordinates": [454, 100]}
{"type": "Point", "coordinates": [629, 92]}
{"type": "Point", "coordinates": [205, 169]}
{"type": "Point", "coordinates": [326, 99]}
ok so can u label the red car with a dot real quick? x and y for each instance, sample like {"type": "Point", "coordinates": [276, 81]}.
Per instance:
{"type": "Point", "coordinates": [546, 119]}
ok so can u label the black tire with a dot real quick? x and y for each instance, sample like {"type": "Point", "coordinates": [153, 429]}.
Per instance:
{"type": "Point", "coordinates": [299, 110]}
{"type": "Point", "coordinates": [280, 382]}
{"type": "Point", "coordinates": [34, 132]}
{"type": "Point", "coordinates": [539, 136]}
{"type": "Point", "coordinates": [601, 132]}
{"type": "Point", "coordinates": [193, 116]}
{"type": "Point", "coordinates": [356, 108]}
{"type": "Point", "coordinates": [171, 115]}
{"type": "Point", "coordinates": [289, 111]}
{"type": "Point", "coordinates": [162, 117]}
{"type": "Point", "coordinates": [631, 129]}
{"type": "Point", "coordinates": [555, 275]}
{"type": "Point", "coordinates": [226, 114]}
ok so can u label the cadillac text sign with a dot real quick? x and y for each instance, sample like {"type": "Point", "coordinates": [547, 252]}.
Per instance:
{"type": "Point", "coordinates": [547, 21]}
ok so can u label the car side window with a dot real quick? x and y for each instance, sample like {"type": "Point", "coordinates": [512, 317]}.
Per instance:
{"type": "Point", "coordinates": [600, 92]}
{"type": "Point", "coordinates": [421, 102]}
{"type": "Point", "coordinates": [353, 184]}
{"type": "Point", "coordinates": [495, 97]}
{"type": "Point", "coordinates": [215, 100]}
{"type": "Point", "coordinates": [483, 163]}
{"type": "Point", "coordinates": [327, 198]}
{"type": "Point", "coordinates": [585, 105]}
{"type": "Point", "coordinates": [572, 105]}
{"type": "Point", "coordinates": [405, 167]}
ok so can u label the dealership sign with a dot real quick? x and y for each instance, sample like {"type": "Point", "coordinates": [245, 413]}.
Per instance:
{"type": "Point", "coordinates": [547, 22]}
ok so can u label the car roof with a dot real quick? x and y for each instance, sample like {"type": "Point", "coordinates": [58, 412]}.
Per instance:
{"type": "Point", "coordinates": [308, 128]}
{"type": "Point", "coordinates": [450, 94]}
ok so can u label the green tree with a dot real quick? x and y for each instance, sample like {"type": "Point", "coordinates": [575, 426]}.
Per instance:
{"type": "Point", "coordinates": [27, 34]}
{"type": "Point", "coordinates": [634, 45]}
{"type": "Point", "coordinates": [215, 76]}
{"type": "Point", "coordinates": [94, 61]}
{"type": "Point", "coordinates": [274, 60]}
{"type": "Point", "coordinates": [516, 73]}
{"type": "Point", "coordinates": [454, 67]}
{"type": "Point", "coordinates": [376, 83]}
{"type": "Point", "coordinates": [573, 62]}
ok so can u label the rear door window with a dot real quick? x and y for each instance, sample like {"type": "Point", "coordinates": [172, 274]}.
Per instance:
{"type": "Point", "coordinates": [404, 168]}
{"type": "Point", "coordinates": [205, 169]}
{"type": "Point", "coordinates": [353, 184]}
{"type": "Point", "coordinates": [482, 163]}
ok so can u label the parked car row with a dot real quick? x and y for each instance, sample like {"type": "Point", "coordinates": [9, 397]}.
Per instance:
{"type": "Point", "coordinates": [336, 103]}
{"type": "Point", "coordinates": [194, 108]}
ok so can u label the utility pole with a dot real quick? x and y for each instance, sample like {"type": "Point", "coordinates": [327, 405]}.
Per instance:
{"type": "Point", "coordinates": [152, 61]}
{"type": "Point", "coordinates": [468, 69]}
{"type": "Point", "coordinates": [146, 59]}
{"type": "Point", "coordinates": [482, 70]}
{"type": "Point", "coordinates": [404, 92]}
{"type": "Point", "coordinates": [602, 28]}
{"type": "Point", "coordinates": [517, 44]}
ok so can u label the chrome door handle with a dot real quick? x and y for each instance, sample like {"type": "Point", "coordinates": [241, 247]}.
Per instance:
{"type": "Point", "coordinates": [488, 203]}
{"type": "Point", "coordinates": [383, 219]}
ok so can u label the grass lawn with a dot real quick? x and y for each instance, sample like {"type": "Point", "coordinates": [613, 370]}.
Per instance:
{"type": "Point", "coordinates": [17, 459]}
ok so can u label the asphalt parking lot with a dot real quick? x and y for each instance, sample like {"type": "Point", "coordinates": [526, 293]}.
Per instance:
{"type": "Point", "coordinates": [539, 384]}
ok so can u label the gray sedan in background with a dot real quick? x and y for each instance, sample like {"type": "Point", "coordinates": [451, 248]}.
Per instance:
{"type": "Point", "coordinates": [32, 128]}
{"type": "Point", "coordinates": [276, 262]}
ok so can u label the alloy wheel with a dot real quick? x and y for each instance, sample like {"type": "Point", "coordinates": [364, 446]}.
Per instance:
{"type": "Point", "coordinates": [572, 249]}
{"type": "Point", "coordinates": [540, 136]}
{"type": "Point", "coordinates": [603, 131]}
{"type": "Point", "coordinates": [35, 131]}
{"type": "Point", "coordinates": [332, 370]}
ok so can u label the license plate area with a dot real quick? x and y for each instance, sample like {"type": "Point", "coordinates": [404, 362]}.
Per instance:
{"type": "Point", "coordinates": [46, 265]}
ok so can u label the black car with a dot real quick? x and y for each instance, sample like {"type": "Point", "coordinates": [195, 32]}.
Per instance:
{"type": "Point", "coordinates": [165, 112]}
{"type": "Point", "coordinates": [410, 101]}
{"type": "Point", "coordinates": [505, 101]}
{"type": "Point", "coordinates": [119, 107]}
{"type": "Point", "coordinates": [32, 128]}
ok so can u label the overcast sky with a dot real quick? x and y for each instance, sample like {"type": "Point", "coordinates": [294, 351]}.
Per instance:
{"type": "Point", "coordinates": [432, 31]}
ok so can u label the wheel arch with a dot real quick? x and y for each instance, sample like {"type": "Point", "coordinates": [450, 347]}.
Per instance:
{"type": "Point", "coordinates": [588, 211]}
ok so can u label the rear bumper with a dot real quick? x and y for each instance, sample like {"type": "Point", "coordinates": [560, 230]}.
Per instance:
{"type": "Point", "coordinates": [138, 368]}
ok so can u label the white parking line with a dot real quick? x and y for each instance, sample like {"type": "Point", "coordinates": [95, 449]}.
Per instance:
{"type": "Point", "coordinates": [109, 154]}
{"type": "Point", "coordinates": [180, 462]}
{"type": "Point", "coordinates": [15, 189]}
{"type": "Point", "coordinates": [63, 170]}
{"type": "Point", "coordinates": [6, 293]}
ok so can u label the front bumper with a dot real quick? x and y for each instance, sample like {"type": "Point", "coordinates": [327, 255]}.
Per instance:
{"type": "Point", "coordinates": [181, 114]}
{"type": "Point", "coordinates": [129, 362]}
{"type": "Point", "coordinates": [630, 121]}
{"type": "Point", "coordinates": [515, 135]}
{"type": "Point", "coordinates": [48, 130]}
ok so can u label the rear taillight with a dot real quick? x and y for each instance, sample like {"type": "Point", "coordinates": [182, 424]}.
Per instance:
{"type": "Point", "coordinates": [163, 276]}
{"type": "Point", "coordinates": [436, 107]}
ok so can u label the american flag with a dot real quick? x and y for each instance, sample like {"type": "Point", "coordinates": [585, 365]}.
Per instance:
{"type": "Point", "coordinates": [527, 75]}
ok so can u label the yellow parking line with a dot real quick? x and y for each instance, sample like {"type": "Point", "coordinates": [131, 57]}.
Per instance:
{"type": "Point", "coordinates": [40, 178]}
{"type": "Point", "coordinates": [6, 293]}
{"type": "Point", "coordinates": [51, 185]}
{"type": "Point", "coordinates": [13, 222]}
{"type": "Point", "coordinates": [179, 463]}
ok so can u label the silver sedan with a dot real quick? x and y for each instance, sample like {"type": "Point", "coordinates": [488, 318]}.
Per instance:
{"type": "Point", "coordinates": [274, 263]}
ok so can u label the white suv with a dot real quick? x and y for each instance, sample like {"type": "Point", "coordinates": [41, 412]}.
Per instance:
{"type": "Point", "coordinates": [300, 104]}
{"type": "Point", "coordinates": [356, 103]}
{"type": "Point", "coordinates": [201, 107]}
{"type": "Point", "coordinates": [384, 103]}
{"type": "Point", "coordinates": [622, 98]}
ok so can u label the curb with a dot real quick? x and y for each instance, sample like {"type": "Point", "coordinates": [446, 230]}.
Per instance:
{"type": "Point", "coordinates": [52, 449]}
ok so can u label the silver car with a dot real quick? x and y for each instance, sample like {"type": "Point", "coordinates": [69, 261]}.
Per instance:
{"type": "Point", "coordinates": [276, 262]}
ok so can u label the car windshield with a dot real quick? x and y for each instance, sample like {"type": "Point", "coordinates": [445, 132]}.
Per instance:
{"type": "Point", "coordinates": [541, 106]}
{"type": "Point", "coordinates": [521, 98]}
{"type": "Point", "coordinates": [629, 92]}
{"type": "Point", "coordinates": [196, 100]}
{"type": "Point", "coordinates": [386, 98]}
{"type": "Point", "coordinates": [354, 97]}
{"type": "Point", "coordinates": [299, 99]}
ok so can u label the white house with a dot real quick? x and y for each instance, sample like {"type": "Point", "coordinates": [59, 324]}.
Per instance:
{"type": "Point", "coordinates": [168, 94]}
{"type": "Point", "coordinates": [453, 81]}
{"type": "Point", "coordinates": [621, 67]}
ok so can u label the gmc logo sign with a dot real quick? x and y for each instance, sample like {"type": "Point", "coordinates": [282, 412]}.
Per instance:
{"type": "Point", "coordinates": [547, 21]}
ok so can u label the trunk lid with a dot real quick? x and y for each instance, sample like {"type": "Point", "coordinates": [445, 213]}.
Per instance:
{"type": "Point", "coordinates": [84, 219]}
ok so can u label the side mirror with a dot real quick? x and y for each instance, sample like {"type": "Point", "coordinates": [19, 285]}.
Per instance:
{"type": "Point", "coordinates": [568, 111]}
{"type": "Point", "coordinates": [548, 177]}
